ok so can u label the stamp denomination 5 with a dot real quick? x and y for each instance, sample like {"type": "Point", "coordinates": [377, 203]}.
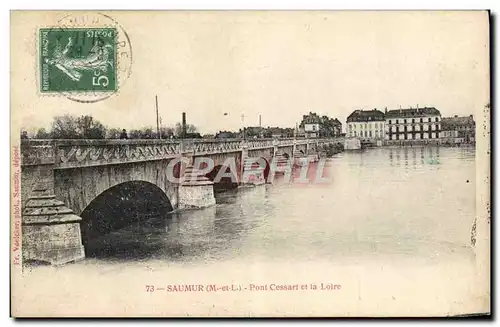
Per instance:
{"type": "Point", "coordinates": [78, 59]}
{"type": "Point", "coordinates": [86, 57]}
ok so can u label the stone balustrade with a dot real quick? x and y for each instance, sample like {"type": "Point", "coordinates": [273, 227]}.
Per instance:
{"type": "Point", "coordinates": [79, 153]}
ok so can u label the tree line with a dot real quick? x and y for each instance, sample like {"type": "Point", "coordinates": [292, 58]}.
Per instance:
{"type": "Point", "coordinates": [87, 127]}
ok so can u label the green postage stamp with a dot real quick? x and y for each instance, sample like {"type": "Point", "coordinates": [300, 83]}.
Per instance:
{"type": "Point", "coordinates": [78, 60]}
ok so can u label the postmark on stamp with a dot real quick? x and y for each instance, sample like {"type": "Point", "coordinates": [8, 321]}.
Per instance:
{"type": "Point", "coordinates": [78, 59]}
{"type": "Point", "coordinates": [85, 56]}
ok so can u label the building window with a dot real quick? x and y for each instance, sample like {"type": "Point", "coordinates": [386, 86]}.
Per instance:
{"type": "Point", "coordinates": [366, 126]}
{"type": "Point", "coordinates": [370, 133]}
{"type": "Point", "coordinates": [437, 119]}
{"type": "Point", "coordinates": [314, 127]}
{"type": "Point", "coordinates": [413, 120]}
{"type": "Point", "coordinates": [397, 121]}
{"type": "Point", "coordinates": [421, 120]}
{"type": "Point", "coordinates": [389, 121]}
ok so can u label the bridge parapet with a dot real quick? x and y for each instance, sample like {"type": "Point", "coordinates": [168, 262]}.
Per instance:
{"type": "Point", "coordinates": [80, 153]}
{"type": "Point", "coordinates": [212, 146]}
{"type": "Point", "coordinates": [34, 153]}
{"type": "Point", "coordinates": [260, 144]}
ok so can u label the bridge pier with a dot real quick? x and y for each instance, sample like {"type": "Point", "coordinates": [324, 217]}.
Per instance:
{"type": "Point", "coordinates": [251, 171]}
{"type": "Point", "coordinates": [50, 230]}
{"type": "Point", "coordinates": [195, 191]}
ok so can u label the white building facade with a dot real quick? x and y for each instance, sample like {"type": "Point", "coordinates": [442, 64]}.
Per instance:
{"type": "Point", "coordinates": [413, 124]}
{"type": "Point", "coordinates": [366, 125]}
{"type": "Point", "coordinates": [311, 130]}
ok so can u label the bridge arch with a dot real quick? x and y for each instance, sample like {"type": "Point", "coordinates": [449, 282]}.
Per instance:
{"type": "Point", "coordinates": [224, 177]}
{"type": "Point", "coordinates": [120, 206]}
{"type": "Point", "coordinates": [258, 163]}
{"type": "Point", "coordinates": [78, 187]}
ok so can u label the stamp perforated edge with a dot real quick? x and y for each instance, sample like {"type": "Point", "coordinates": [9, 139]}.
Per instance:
{"type": "Point", "coordinates": [39, 61]}
{"type": "Point", "coordinates": [66, 94]}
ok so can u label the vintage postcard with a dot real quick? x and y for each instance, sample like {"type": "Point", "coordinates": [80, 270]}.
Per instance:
{"type": "Point", "coordinates": [250, 163]}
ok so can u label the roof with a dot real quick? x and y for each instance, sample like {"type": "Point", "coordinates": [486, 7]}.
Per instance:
{"type": "Point", "coordinates": [311, 119]}
{"type": "Point", "coordinates": [412, 112]}
{"type": "Point", "coordinates": [451, 122]}
{"type": "Point", "coordinates": [366, 115]}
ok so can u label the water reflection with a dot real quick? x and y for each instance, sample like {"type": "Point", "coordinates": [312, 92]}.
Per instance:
{"type": "Point", "coordinates": [416, 202]}
{"type": "Point", "coordinates": [408, 156]}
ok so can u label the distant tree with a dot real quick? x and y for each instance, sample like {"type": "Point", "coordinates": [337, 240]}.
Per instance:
{"type": "Point", "coordinates": [42, 134]}
{"type": "Point", "coordinates": [268, 133]}
{"type": "Point", "coordinates": [166, 132]}
{"type": "Point", "coordinates": [113, 133]}
{"type": "Point", "coordinates": [70, 127]}
{"type": "Point", "coordinates": [64, 127]}
{"type": "Point", "coordinates": [135, 134]}
{"type": "Point", "coordinates": [147, 133]}
{"type": "Point", "coordinates": [189, 129]}
{"type": "Point", "coordinates": [89, 128]}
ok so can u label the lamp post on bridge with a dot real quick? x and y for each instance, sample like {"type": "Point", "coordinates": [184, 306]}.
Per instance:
{"type": "Point", "coordinates": [243, 123]}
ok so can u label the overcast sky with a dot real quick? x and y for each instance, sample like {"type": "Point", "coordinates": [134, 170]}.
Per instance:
{"type": "Point", "coordinates": [280, 65]}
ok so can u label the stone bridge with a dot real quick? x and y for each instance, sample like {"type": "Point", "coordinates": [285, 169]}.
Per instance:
{"type": "Point", "coordinates": [67, 186]}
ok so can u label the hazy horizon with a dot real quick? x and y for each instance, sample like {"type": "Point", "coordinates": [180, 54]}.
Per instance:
{"type": "Point", "coordinates": [280, 65]}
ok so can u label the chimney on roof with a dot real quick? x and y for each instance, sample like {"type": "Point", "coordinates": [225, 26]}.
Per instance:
{"type": "Point", "coordinates": [385, 109]}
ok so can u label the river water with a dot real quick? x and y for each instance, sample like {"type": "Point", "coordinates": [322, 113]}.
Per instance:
{"type": "Point", "coordinates": [392, 226]}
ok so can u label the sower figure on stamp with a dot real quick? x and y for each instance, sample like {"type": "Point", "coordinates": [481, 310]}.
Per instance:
{"type": "Point", "coordinates": [98, 58]}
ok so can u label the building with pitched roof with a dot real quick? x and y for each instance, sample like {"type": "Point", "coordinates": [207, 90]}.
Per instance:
{"type": "Point", "coordinates": [314, 125]}
{"type": "Point", "coordinates": [366, 125]}
{"type": "Point", "coordinates": [337, 127]}
{"type": "Point", "coordinates": [413, 124]}
{"type": "Point", "coordinates": [456, 130]}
